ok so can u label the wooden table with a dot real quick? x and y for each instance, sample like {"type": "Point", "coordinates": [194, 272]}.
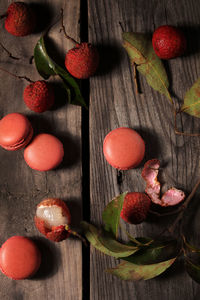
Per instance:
{"type": "Point", "coordinates": [85, 180]}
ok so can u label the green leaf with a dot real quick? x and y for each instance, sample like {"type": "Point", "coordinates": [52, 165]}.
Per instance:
{"type": "Point", "coordinates": [103, 242]}
{"type": "Point", "coordinates": [47, 67]}
{"type": "Point", "coordinates": [111, 214]}
{"type": "Point", "coordinates": [130, 271]}
{"type": "Point", "coordinates": [140, 51]}
{"type": "Point", "coordinates": [155, 253]}
{"type": "Point", "coordinates": [193, 270]}
{"type": "Point", "coordinates": [191, 104]}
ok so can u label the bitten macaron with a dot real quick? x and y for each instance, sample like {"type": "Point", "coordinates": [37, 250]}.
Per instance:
{"type": "Point", "coordinates": [15, 131]}
{"type": "Point", "coordinates": [44, 153]}
{"type": "Point", "coordinates": [123, 148]}
{"type": "Point", "coordinates": [20, 258]}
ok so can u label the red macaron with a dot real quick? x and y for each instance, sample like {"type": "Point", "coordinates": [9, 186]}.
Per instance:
{"type": "Point", "coordinates": [19, 258]}
{"type": "Point", "coordinates": [123, 148]}
{"type": "Point", "coordinates": [15, 131]}
{"type": "Point", "coordinates": [44, 153]}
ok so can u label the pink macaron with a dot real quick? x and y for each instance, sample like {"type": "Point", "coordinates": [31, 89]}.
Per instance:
{"type": "Point", "coordinates": [15, 131]}
{"type": "Point", "coordinates": [44, 153]}
{"type": "Point", "coordinates": [19, 258]}
{"type": "Point", "coordinates": [123, 148]}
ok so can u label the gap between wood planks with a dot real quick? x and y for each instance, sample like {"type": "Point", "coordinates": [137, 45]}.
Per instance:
{"type": "Point", "coordinates": [85, 87]}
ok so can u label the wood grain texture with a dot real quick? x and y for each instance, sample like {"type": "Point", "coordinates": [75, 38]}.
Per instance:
{"type": "Point", "coordinates": [60, 276]}
{"type": "Point", "coordinates": [114, 103]}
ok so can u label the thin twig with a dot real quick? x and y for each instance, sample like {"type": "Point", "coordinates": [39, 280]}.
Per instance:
{"type": "Point", "coordinates": [8, 52]}
{"type": "Point", "coordinates": [168, 213]}
{"type": "Point", "coordinates": [16, 76]}
{"type": "Point", "coordinates": [63, 29]}
{"type": "Point", "coordinates": [122, 27]}
{"type": "Point", "coordinates": [135, 77]}
{"type": "Point", "coordinates": [185, 205]}
{"type": "Point", "coordinates": [180, 132]}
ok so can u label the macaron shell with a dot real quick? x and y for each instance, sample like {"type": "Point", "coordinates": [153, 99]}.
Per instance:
{"type": "Point", "coordinates": [44, 153]}
{"type": "Point", "coordinates": [19, 258]}
{"type": "Point", "coordinates": [123, 148]}
{"type": "Point", "coordinates": [15, 130]}
{"type": "Point", "coordinates": [22, 143]}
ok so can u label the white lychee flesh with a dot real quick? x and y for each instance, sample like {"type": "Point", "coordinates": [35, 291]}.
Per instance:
{"type": "Point", "coordinates": [51, 215]}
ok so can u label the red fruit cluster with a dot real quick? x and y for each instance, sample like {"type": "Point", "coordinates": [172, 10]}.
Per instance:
{"type": "Point", "coordinates": [135, 208]}
{"type": "Point", "coordinates": [39, 96]}
{"type": "Point", "coordinates": [168, 42]}
{"type": "Point", "coordinates": [20, 19]}
{"type": "Point", "coordinates": [82, 61]}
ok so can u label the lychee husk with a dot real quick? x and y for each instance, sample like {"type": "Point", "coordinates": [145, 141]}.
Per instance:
{"type": "Point", "coordinates": [82, 61]}
{"type": "Point", "coordinates": [135, 208]}
{"type": "Point", "coordinates": [20, 19]}
{"type": "Point", "coordinates": [39, 96]}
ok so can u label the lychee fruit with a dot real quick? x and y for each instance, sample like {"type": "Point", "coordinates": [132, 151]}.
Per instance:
{"type": "Point", "coordinates": [39, 96]}
{"type": "Point", "coordinates": [20, 19]}
{"type": "Point", "coordinates": [52, 219]}
{"type": "Point", "coordinates": [135, 208]}
{"type": "Point", "coordinates": [82, 61]}
{"type": "Point", "coordinates": [168, 42]}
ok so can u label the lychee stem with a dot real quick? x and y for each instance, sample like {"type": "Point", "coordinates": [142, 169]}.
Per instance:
{"type": "Point", "coordinates": [63, 29]}
{"type": "Point", "coordinates": [16, 76]}
{"type": "Point", "coordinates": [75, 234]}
{"type": "Point", "coordinates": [175, 126]}
{"type": "Point", "coordinates": [8, 52]}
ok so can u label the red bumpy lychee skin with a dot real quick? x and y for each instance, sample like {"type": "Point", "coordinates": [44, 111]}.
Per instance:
{"type": "Point", "coordinates": [168, 42]}
{"type": "Point", "coordinates": [135, 208]}
{"type": "Point", "coordinates": [82, 61]}
{"type": "Point", "coordinates": [56, 233]}
{"type": "Point", "coordinates": [20, 19]}
{"type": "Point", "coordinates": [39, 96]}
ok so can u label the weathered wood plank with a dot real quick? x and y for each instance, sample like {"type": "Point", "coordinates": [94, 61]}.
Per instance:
{"type": "Point", "coordinates": [114, 103]}
{"type": "Point", "coordinates": [22, 188]}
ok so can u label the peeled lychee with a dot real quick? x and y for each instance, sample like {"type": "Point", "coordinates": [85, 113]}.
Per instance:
{"type": "Point", "coordinates": [135, 208]}
{"type": "Point", "coordinates": [52, 219]}
{"type": "Point", "coordinates": [82, 61]}
{"type": "Point", "coordinates": [39, 96]}
{"type": "Point", "coordinates": [20, 19]}
{"type": "Point", "coordinates": [168, 42]}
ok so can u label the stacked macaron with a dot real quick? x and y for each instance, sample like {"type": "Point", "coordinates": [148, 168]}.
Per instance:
{"type": "Point", "coordinates": [15, 131]}
{"type": "Point", "coordinates": [45, 152]}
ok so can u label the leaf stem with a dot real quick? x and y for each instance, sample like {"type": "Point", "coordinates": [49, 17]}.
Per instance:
{"type": "Point", "coordinates": [184, 206]}
{"type": "Point", "coordinates": [16, 76]}
{"type": "Point", "coordinates": [63, 29]}
{"type": "Point", "coordinates": [8, 52]}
